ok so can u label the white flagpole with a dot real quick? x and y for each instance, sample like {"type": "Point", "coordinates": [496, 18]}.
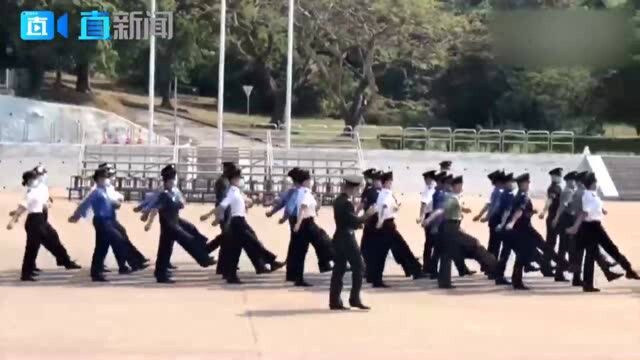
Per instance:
{"type": "Point", "coordinates": [152, 75]}
{"type": "Point", "coordinates": [175, 111]}
{"type": "Point", "coordinates": [287, 107]}
{"type": "Point", "coordinates": [223, 27]}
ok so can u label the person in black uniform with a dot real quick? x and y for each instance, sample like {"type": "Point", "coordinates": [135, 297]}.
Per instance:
{"type": "Point", "coordinates": [368, 200]}
{"type": "Point", "coordinates": [551, 208]}
{"type": "Point", "coordinates": [456, 243]}
{"type": "Point", "coordinates": [445, 166]}
{"type": "Point", "coordinates": [346, 246]}
{"type": "Point", "coordinates": [168, 205]}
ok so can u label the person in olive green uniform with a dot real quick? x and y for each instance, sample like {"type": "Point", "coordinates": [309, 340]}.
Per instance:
{"type": "Point", "coordinates": [346, 247]}
{"type": "Point", "coordinates": [456, 243]}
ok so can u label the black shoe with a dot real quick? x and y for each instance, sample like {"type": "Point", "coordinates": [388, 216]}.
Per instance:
{"type": "Point", "coordinates": [520, 287]}
{"type": "Point", "coordinates": [36, 270]}
{"type": "Point", "coordinates": [502, 281]}
{"type": "Point", "coordinates": [433, 276]}
{"type": "Point", "coordinates": [338, 307]}
{"type": "Point", "coordinates": [611, 264]}
{"type": "Point", "coordinates": [125, 270]}
{"type": "Point", "coordinates": [449, 286]}
{"type": "Point", "coordinates": [302, 283]}
{"type": "Point", "coordinates": [99, 279]}
{"type": "Point", "coordinates": [468, 273]}
{"type": "Point", "coordinates": [172, 267]}
{"type": "Point", "coordinates": [28, 278]}
{"type": "Point", "coordinates": [106, 270]}
{"type": "Point", "coordinates": [380, 285]}
{"type": "Point", "coordinates": [277, 265]}
{"type": "Point", "coordinates": [591, 289]}
{"type": "Point", "coordinates": [146, 261]}
{"type": "Point", "coordinates": [610, 275]}
{"type": "Point", "coordinates": [358, 305]}
{"type": "Point", "coordinates": [560, 278]}
{"type": "Point", "coordinates": [72, 265]}
{"type": "Point", "coordinates": [209, 262]}
{"type": "Point", "coordinates": [234, 281]}
{"type": "Point", "coordinates": [419, 275]}
{"type": "Point", "coordinates": [263, 270]}
{"type": "Point", "coordinates": [139, 267]}
{"type": "Point", "coordinates": [325, 268]}
{"type": "Point", "coordinates": [165, 280]}
{"type": "Point", "coordinates": [631, 274]}
{"type": "Point", "coordinates": [576, 283]}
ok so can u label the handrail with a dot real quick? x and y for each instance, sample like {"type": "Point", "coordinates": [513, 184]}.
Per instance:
{"type": "Point", "coordinates": [361, 160]}
{"type": "Point", "coordinates": [563, 135]}
{"type": "Point", "coordinates": [441, 135]}
{"type": "Point", "coordinates": [538, 137]}
{"type": "Point", "coordinates": [521, 135]}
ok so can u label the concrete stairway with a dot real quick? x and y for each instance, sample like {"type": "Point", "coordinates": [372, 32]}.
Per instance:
{"type": "Point", "coordinates": [625, 173]}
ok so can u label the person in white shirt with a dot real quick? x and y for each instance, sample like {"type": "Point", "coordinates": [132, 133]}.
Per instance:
{"type": "Point", "coordinates": [593, 234]}
{"type": "Point", "coordinates": [240, 234]}
{"type": "Point", "coordinates": [52, 242]}
{"type": "Point", "coordinates": [35, 225]}
{"type": "Point", "coordinates": [388, 237]}
{"type": "Point", "coordinates": [426, 207]}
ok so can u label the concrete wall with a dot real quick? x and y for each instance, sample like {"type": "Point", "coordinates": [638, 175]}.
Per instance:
{"type": "Point", "coordinates": [409, 165]}
{"type": "Point", "coordinates": [61, 160]}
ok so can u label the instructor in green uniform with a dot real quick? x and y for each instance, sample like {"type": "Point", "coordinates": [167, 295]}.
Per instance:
{"type": "Point", "coordinates": [346, 246]}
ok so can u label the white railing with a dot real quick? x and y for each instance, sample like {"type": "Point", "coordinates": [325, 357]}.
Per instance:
{"type": "Point", "coordinates": [361, 160]}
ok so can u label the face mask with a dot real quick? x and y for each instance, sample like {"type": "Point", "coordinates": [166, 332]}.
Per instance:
{"type": "Point", "coordinates": [241, 184]}
{"type": "Point", "coordinates": [107, 182]}
{"type": "Point", "coordinates": [34, 184]}
{"type": "Point", "coordinates": [556, 179]}
{"type": "Point", "coordinates": [44, 178]}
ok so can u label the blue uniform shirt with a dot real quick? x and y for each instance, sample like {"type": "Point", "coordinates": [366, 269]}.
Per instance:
{"type": "Point", "coordinates": [522, 202]}
{"type": "Point", "coordinates": [98, 201]}
{"type": "Point", "coordinates": [439, 196]}
{"type": "Point", "coordinates": [506, 203]}
{"type": "Point", "coordinates": [494, 201]}
{"type": "Point", "coordinates": [369, 197]}
{"type": "Point", "coordinates": [287, 200]}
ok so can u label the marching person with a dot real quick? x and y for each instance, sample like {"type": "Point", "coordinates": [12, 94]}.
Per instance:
{"type": "Point", "coordinates": [368, 199]}
{"type": "Point", "coordinates": [346, 247]}
{"type": "Point", "coordinates": [289, 201]}
{"type": "Point", "coordinates": [221, 186]}
{"type": "Point", "coordinates": [388, 237]}
{"type": "Point", "coordinates": [35, 226]}
{"type": "Point", "coordinates": [168, 204]}
{"type": "Point", "coordinates": [426, 207]}
{"type": "Point", "coordinates": [551, 209]}
{"type": "Point", "coordinates": [491, 211]}
{"type": "Point", "coordinates": [138, 260]}
{"type": "Point", "coordinates": [52, 242]}
{"type": "Point", "coordinates": [455, 243]}
{"type": "Point", "coordinates": [593, 234]}
{"type": "Point", "coordinates": [445, 166]}
{"type": "Point", "coordinates": [240, 234]}
{"type": "Point", "coordinates": [107, 233]}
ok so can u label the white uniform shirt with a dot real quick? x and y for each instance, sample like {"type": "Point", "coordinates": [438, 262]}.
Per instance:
{"type": "Point", "coordinates": [307, 199]}
{"type": "Point", "coordinates": [592, 205]}
{"type": "Point", "coordinates": [234, 200]}
{"type": "Point", "coordinates": [426, 196]}
{"type": "Point", "coordinates": [386, 199]}
{"type": "Point", "coordinates": [35, 200]}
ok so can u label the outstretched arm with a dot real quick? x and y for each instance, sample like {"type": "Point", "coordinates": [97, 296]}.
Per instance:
{"type": "Point", "coordinates": [151, 217]}
{"type": "Point", "coordinates": [15, 216]}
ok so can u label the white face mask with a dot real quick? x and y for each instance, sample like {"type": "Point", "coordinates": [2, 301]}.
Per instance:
{"type": "Point", "coordinates": [556, 179]}
{"type": "Point", "coordinates": [44, 178]}
{"type": "Point", "coordinates": [34, 184]}
{"type": "Point", "coordinates": [241, 184]}
{"type": "Point", "coordinates": [107, 182]}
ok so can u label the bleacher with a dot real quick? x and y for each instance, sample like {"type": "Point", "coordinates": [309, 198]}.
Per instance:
{"type": "Point", "coordinates": [264, 170]}
{"type": "Point", "coordinates": [625, 173]}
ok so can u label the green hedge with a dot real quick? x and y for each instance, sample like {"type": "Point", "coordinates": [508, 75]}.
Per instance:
{"type": "Point", "coordinates": [608, 145]}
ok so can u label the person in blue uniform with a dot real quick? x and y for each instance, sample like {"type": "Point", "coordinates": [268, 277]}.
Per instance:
{"type": "Point", "coordinates": [426, 207]}
{"type": "Point", "coordinates": [107, 233]}
{"type": "Point", "coordinates": [139, 261]}
{"type": "Point", "coordinates": [368, 199]}
{"type": "Point", "coordinates": [346, 246]}
{"type": "Point", "coordinates": [168, 205]}
{"type": "Point", "coordinates": [562, 220]}
{"type": "Point", "coordinates": [490, 210]}
{"type": "Point", "coordinates": [289, 202]}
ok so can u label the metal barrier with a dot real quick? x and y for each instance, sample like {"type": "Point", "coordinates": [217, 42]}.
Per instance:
{"type": "Point", "coordinates": [391, 135]}
{"type": "Point", "coordinates": [466, 137]}
{"type": "Point", "coordinates": [562, 138]}
{"type": "Point", "coordinates": [489, 138]}
{"type": "Point", "coordinates": [514, 137]}
{"type": "Point", "coordinates": [537, 138]}
{"type": "Point", "coordinates": [415, 137]}
{"type": "Point", "coordinates": [441, 135]}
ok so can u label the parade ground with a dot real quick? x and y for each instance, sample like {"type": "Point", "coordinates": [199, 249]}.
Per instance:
{"type": "Point", "coordinates": [65, 316]}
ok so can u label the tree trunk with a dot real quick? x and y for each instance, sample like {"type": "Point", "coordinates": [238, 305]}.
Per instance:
{"type": "Point", "coordinates": [36, 77]}
{"type": "Point", "coordinates": [279, 100]}
{"type": "Point", "coordinates": [166, 96]}
{"type": "Point", "coordinates": [58, 82]}
{"type": "Point", "coordinates": [83, 79]}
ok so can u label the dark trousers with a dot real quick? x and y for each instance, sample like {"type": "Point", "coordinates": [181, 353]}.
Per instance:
{"type": "Point", "coordinates": [449, 249]}
{"type": "Point", "coordinates": [298, 248]}
{"type": "Point", "coordinates": [238, 235]}
{"type": "Point", "coordinates": [389, 239]}
{"type": "Point", "coordinates": [36, 232]}
{"type": "Point", "coordinates": [346, 251]}
{"type": "Point", "coordinates": [547, 249]}
{"type": "Point", "coordinates": [137, 258]}
{"type": "Point", "coordinates": [257, 253]}
{"type": "Point", "coordinates": [551, 236]}
{"type": "Point", "coordinates": [438, 238]}
{"type": "Point", "coordinates": [52, 243]}
{"type": "Point", "coordinates": [518, 242]}
{"type": "Point", "coordinates": [493, 246]}
{"type": "Point", "coordinates": [107, 235]}
{"type": "Point", "coordinates": [367, 244]}
{"type": "Point", "coordinates": [592, 235]}
{"type": "Point", "coordinates": [170, 232]}
{"type": "Point", "coordinates": [428, 249]}
{"type": "Point", "coordinates": [165, 249]}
